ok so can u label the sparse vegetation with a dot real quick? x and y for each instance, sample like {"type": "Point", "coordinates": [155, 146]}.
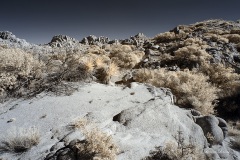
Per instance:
{"type": "Point", "coordinates": [192, 89]}
{"type": "Point", "coordinates": [192, 48]}
{"type": "Point", "coordinates": [19, 140]}
{"type": "Point", "coordinates": [98, 145]}
{"type": "Point", "coordinates": [180, 151]}
{"type": "Point", "coordinates": [125, 57]}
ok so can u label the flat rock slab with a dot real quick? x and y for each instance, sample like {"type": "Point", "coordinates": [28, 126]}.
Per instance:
{"type": "Point", "coordinates": [138, 118]}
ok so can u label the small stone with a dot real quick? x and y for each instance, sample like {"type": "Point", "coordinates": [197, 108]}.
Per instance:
{"type": "Point", "coordinates": [11, 120]}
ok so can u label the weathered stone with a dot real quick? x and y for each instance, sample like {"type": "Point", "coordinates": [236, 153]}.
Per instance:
{"type": "Point", "coordinates": [211, 129]}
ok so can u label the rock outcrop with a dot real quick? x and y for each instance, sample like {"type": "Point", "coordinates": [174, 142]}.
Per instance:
{"type": "Point", "coordinates": [138, 40]}
{"type": "Point", "coordinates": [138, 118]}
{"type": "Point", "coordinates": [93, 40]}
{"type": "Point", "coordinates": [9, 39]}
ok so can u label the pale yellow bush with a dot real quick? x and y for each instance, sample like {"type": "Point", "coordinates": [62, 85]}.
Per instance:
{"type": "Point", "coordinates": [19, 63]}
{"type": "Point", "coordinates": [121, 48]}
{"type": "Point", "coordinates": [20, 139]}
{"type": "Point", "coordinates": [16, 67]}
{"type": "Point", "coordinates": [98, 145]}
{"type": "Point", "coordinates": [125, 57]}
{"type": "Point", "coordinates": [106, 73]}
{"type": "Point", "coordinates": [74, 67]}
{"type": "Point", "coordinates": [192, 89]}
{"type": "Point", "coordinates": [96, 50]}
{"type": "Point", "coordinates": [216, 37]}
{"type": "Point", "coordinates": [165, 37]}
{"type": "Point", "coordinates": [195, 41]}
{"type": "Point", "coordinates": [127, 60]}
{"type": "Point", "coordinates": [191, 54]}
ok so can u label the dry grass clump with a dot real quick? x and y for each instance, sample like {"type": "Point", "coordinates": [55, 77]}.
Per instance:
{"type": "Point", "coordinates": [125, 57]}
{"type": "Point", "coordinates": [192, 55]}
{"type": "Point", "coordinates": [233, 38]}
{"type": "Point", "coordinates": [172, 152]}
{"type": "Point", "coordinates": [98, 145]}
{"type": "Point", "coordinates": [106, 73]}
{"type": "Point", "coordinates": [192, 89]}
{"type": "Point", "coordinates": [96, 50]}
{"type": "Point", "coordinates": [20, 140]}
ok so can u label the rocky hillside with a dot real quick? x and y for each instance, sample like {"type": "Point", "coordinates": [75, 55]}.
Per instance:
{"type": "Point", "coordinates": [195, 67]}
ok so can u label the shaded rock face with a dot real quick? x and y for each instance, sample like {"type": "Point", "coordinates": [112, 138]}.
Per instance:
{"type": "Point", "coordinates": [216, 132]}
{"type": "Point", "coordinates": [213, 126]}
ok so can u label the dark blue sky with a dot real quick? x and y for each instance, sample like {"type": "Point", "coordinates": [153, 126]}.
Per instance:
{"type": "Point", "coordinates": [37, 21]}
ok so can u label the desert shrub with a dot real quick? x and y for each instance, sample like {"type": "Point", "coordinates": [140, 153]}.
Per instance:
{"type": "Point", "coordinates": [20, 63]}
{"type": "Point", "coordinates": [233, 38]}
{"type": "Point", "coordinates": [192, 89]}
{"type": "Point", "coordinates": [18, 69]}
{"type": "Point", "coordinates": [100, 61]}
{"type": "Point", "coordinates": [165, 37]}
{"type": "Point", "coordinates": [19, 140]}
{"type": "Point", "coordinates": [190, 57]}
{"type": "Point", "coordinates": [223, 77]}
{"type": "Point", "coordinates": [195, 41]}
{"type": "Point", "coordinates": [97, 144]}
{"type": "Point", "coordinates": [96, 50]}
{"type": "Point", "coordinates": [172, 152]}
{"type": "Point", "coordinates": [74, 67]}
{"type": "Point", "coordinates": [105, 74]}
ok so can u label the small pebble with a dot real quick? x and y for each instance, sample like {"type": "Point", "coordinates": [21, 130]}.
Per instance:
{"type": "Point", "coordinates": [11, 120]}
